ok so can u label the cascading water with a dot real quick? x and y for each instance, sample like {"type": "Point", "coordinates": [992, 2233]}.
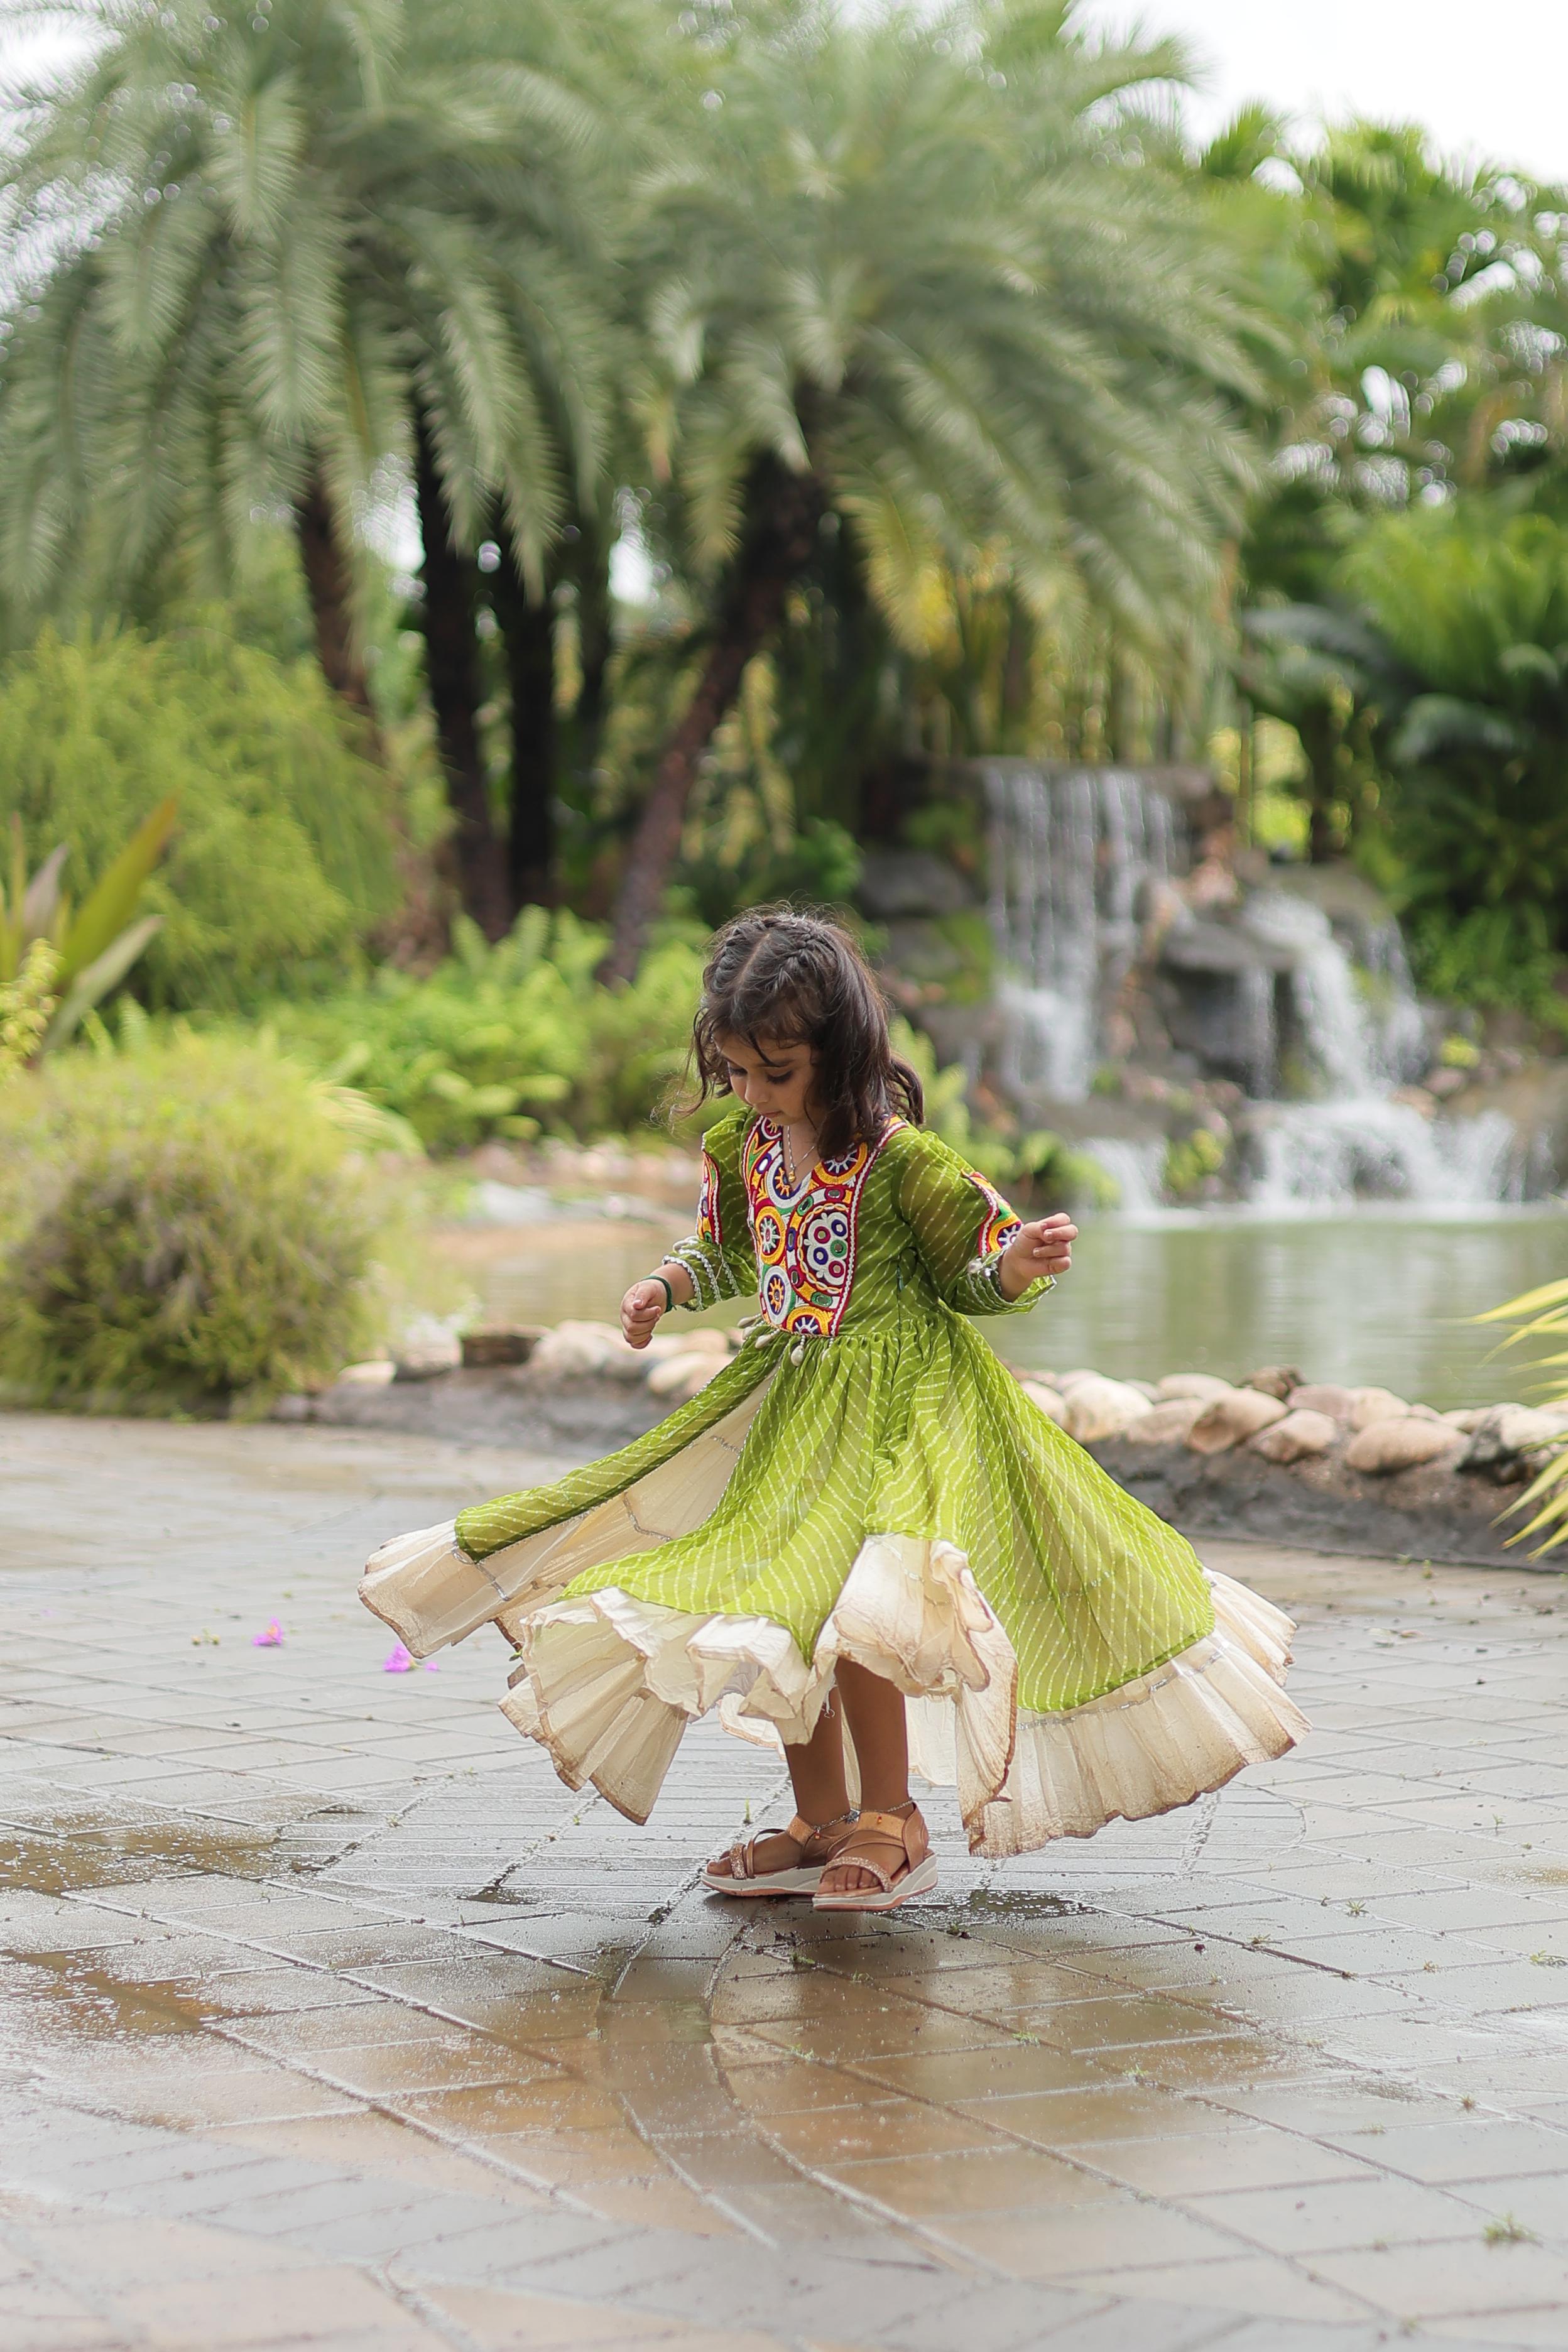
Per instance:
{"type": "Point", "coordinates": [1072, 853]}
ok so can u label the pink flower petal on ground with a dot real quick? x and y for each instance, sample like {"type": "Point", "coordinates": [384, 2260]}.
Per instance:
{"type": "Point", "coordinates": [432, 1666]}
{"type": "Point", "coordinates": [272, 1638]}
{"type": "Point", "coordinates": [399, 1661]}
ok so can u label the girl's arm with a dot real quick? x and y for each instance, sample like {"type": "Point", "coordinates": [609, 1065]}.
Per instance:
{"type": "Point", "coordinates": [981, 1257]}
{"type": "Point", "coordinates": [647, 1300]}
{"type": "Point", "coordinates": [717, 1261]}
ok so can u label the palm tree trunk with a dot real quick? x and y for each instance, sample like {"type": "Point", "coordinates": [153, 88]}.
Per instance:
{"type": "Point", "coordinates": [528, 638]}
{"type": "Point", "coordinates": [329, 581]}
{"type": "Point", "coordinates": [452, 674]}
{"type": "Point", "coordinates": [591, 573]}
{"type": "Point", "coordinates": [785, 511]}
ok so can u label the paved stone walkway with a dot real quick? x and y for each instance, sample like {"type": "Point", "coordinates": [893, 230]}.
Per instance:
{"type": "Point", "coordinates": [330, 2018]}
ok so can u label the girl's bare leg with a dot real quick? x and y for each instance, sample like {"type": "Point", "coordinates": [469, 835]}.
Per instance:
{"type": "Point", "coordinates": [874, 1710]}
{"type": "Point", "coordinates": [816, 1775]}
{"type": "Point", "coordinates": [816, 1768]}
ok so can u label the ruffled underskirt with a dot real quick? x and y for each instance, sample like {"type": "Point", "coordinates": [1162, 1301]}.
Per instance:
{"type": "Point", "coordinates": [607, 1682]}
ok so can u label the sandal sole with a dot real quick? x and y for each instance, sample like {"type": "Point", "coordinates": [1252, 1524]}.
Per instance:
{"type": "Point", "coordinates": [776, 1882]}
{"type": "Point", "coordinates": [922, 1880]}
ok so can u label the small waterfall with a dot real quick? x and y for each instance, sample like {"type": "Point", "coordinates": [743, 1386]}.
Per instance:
{"type": "Point", "coordinates": [1069, 853]}
{"type": "Point", "coordinates": [1072, 852]}
{"type": "Point", "coordinates": [1320, 1155]}
{"type": "Point", "coordinates": [1135, 1170]}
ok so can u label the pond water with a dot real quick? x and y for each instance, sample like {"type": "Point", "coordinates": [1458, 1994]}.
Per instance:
{"type": "Point", "coordinates": [1370, 1295]}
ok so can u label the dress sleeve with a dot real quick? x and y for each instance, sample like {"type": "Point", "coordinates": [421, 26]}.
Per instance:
{"type": "Point", "coordinates": [962, 1225]}
{"type": "Point", "coordinates": [719, 1256]}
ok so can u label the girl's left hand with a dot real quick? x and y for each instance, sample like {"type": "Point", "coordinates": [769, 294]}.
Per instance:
{"type": "Point", "coordinates": [1043, 1247]}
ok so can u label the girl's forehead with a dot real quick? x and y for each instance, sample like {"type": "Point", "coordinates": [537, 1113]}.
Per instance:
{"type": "Point", "coordinates": [774, 1050]}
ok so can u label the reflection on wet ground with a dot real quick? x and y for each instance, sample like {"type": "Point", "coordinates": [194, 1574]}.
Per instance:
{"type": "Point", "coordinates": [330, 2018]}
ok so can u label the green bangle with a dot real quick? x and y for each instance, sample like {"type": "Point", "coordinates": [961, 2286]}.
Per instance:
{"type": "Point", "coordinates": [668, 1294]}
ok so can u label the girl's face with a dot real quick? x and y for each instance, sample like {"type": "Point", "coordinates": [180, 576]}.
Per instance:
{"type": "Point", "coordinates": [773, 1077]}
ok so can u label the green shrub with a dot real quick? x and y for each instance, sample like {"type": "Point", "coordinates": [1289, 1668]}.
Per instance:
{"type": "Point", "coordinates": [505, 1040]}
{"type": "Point", "coordinates": [182, 1224]}
{"type": "Point", "coordinates": [284, 853]}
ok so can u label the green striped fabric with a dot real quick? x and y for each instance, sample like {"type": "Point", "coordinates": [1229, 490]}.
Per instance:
{"type": "Point", "coordinates": [902, 1422]}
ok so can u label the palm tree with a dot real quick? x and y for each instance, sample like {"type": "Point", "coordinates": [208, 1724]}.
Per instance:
{"type": "Point", "coordinates": [900, 278]}
{"type": "Point", "coordinates": [268, 248]}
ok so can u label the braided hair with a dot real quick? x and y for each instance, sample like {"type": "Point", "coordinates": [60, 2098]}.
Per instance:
{"type": "Point", "coordinates": [801, 980]}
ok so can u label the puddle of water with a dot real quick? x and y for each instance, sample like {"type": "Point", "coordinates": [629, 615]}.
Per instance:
{"type": "Point", "coordinates": [1022, 1903]}
{"type": "Point", "coordinates": [69, 1862]}
{"type": "Point", "coordinates": [92, 2005]}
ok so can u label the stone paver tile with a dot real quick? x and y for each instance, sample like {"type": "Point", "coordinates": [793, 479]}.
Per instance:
{"type": "Point", "coordinates": [1251, 2282]}
{"type": "Point", "coordinates": [789, 2085]}
{"type": "Point", "coordinates": [570, 2159]}
{"type": "Point", "coordinates": [1057, 2120]}
{"type": "Point", "coordinates": [263, 2309]}
{"type": "Point", "coordinates": [1470, 2148]}
{"type": "Point", "coordinates": [1114, 2233]}
{"type": "Point", "coordinates": [406, 2069]}
{"type": "Point", "coordinates": [664, 2203]}
{"type": "Point", "coordinates": [976, 2180]}
{"type": "Point", "coordinates": [1207, 2163]}
{"type": "Point", "coordinates": [1537, 2200]}
{"type": "Point", "coordinates": [963, 2076]}
{"type": "Point", "coordinates": [517, 2322]}
{"type": "Point", "coordinates": [895, 2127]}
{"type": "Point", "coordinates": [1308, 2217]}
{"type": "Point", "coordinates": [481, 2110]}
{"type": "Point", "coordinates": [1462, 2280]}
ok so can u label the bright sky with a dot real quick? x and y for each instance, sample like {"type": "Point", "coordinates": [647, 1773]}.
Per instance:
{"type": "Point", "coordinates": [1488, 78]}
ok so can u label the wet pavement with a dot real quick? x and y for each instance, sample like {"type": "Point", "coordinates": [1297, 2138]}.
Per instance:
{"type": "Point", "coordinates": [328, 2016]}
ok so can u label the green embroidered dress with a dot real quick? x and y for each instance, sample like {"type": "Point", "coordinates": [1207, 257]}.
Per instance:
{"type": "Point", "coordinates": [864, 1479]}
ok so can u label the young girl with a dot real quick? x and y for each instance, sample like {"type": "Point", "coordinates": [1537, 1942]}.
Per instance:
{"type": "Point", "coordinates": [861, 1522]}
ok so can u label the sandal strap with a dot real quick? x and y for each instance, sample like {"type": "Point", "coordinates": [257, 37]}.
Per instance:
{"type": "Point", "coordinates": [743, 1852]}
{"type": "Point", "coordinates": [885, 1829]}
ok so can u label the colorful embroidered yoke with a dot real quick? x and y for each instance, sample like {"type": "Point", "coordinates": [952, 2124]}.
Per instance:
{"type": "Point", "coordinates": [864, 1479]}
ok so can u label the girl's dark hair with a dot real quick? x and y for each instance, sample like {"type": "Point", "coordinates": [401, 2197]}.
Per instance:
{"type": "Point", "coordinates": [801, 978]}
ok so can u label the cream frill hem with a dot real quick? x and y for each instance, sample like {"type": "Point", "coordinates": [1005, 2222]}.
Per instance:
{"type": "Point", "coordinates": [607, 1684]}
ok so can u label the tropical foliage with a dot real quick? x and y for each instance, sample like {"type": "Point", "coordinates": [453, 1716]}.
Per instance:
{"type": "Point", "coordinates": [692, 428]}
{"type": "Point", "coordinates": [66, 958]}
{"type": "Point", "coordinates": [187, 1223]}
{"type": "Point", "coordinates": [284, 858]}
{"type": "Point", "coordinates": [1541, 1315]}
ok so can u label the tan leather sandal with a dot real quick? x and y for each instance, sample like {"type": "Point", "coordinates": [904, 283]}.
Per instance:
{"type": "Point", "coordinates": [818, 1847]}
{"type": "Point", "coordinates": [892, 1848]}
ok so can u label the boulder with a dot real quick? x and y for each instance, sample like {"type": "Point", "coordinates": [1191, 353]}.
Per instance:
{"type": "Point", "coordinates": [1230, 1420]}
{"type": "Point", "coordinates": [1169, 1421]}
{"type": "Point", "coordinates": [1206, 1385]}
{"type": "Point", "coordinates": [1145, 1389]}
{"type": "Point", "coordinates": [1369, 1405]}
{"type": "Point", "coordinates": [376, 1372]}
{"type": "Point", "coordinates": [1507, 1437]}
{"type": "Point", "coordinates": [1274, 1380]}
{"type": "Point", "coordinates": [1399, 1442]}
{"type": "Point", "coordinates": [1322, 1396]}
{"type": "Point", "coordinates": [1467, 1417]}
{"type": "Point", "coordinates": [1066, 1380]}
{"type": "Point", "coordinates": [428, 1359]}
{"type": "Point", "coordinates": [575, 1351]}
{"type": "Point", "coordinates": [684, 1376]}
{"type": "Point", "coordinates": [1300, 1435]}
{"type": "Point", "coordinates": [1051, 1404]}
{"type": "Point", "coordinates": [1098, 1408]}
{"type": "Point", "coordinates": [486, 1345]}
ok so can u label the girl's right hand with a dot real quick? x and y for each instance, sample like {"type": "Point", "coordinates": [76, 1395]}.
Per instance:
{"type": "Point", "coordinates": [640, 1310]}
